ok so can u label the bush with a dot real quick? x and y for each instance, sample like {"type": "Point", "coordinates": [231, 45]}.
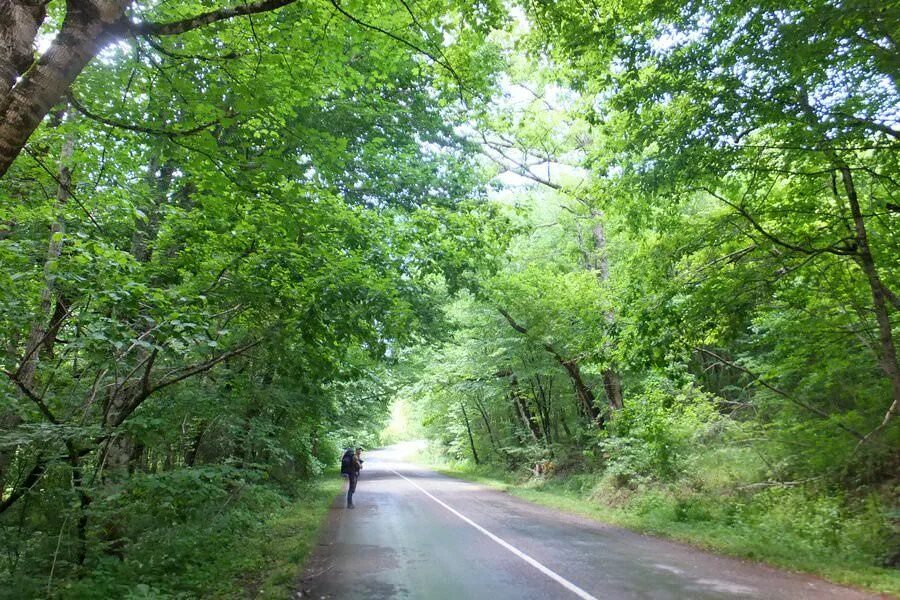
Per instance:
{"type": "Point", "coordinates": [651, 437]}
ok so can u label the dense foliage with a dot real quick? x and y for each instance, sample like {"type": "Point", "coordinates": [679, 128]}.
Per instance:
{"type": "Point", "coordinates": [230, 238]}
{"type": "Point", "coordinates": [211, 249]}
{"type": "Point", "coordinates": [700, 316]}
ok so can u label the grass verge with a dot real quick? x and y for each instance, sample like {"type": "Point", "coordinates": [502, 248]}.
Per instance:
{"type": "Point", "coordinates": [268, 562]}
{"type": "Point", "coordinates": [657, 512]}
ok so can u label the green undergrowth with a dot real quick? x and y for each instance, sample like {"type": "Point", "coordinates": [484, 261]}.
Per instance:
{"type": "Point", "coordinates": [252, 545]}
{"type": "Point", "coordinates": [270, 561]}
{"type": "Point", "coordinates": [788, 527]}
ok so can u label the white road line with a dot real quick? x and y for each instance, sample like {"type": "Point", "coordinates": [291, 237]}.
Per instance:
{"type": "Point", "coordinates": [548, 572]}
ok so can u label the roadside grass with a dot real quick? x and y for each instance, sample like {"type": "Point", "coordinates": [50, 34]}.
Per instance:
{"type": "Point", "coordinates": [253, 545]}
{"type": "Point", "coordinates": [269, 561]}
{"type": "Point", "coordinates": [766, 531]}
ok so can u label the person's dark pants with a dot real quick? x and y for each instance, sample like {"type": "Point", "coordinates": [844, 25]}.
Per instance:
{"type": "Point", "coordinates": [354, 477]}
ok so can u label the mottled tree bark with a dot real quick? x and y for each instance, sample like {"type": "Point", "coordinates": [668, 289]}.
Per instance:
{"type": "Point", "coordinates": [29, 88]}
{"type": "Point", "coordinates": [19, 22]}
{"type": "Point", "coordinates": [88, 27]}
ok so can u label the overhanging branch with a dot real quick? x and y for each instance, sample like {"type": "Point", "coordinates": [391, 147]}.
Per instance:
{"type": "Point", "coordinates": [196, 369]}
{"type": "Point", "coordinates": [757, 379]}
{"type": "Point", "coordinates": [81, 108]}
{"type": "Point", "coordinates": [29, 393]}
{"type": "Point", "coordinates": [207, 18]}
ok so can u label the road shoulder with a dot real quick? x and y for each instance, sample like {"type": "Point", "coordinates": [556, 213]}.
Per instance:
{"type": "Point", "coordinates": [873, 580]}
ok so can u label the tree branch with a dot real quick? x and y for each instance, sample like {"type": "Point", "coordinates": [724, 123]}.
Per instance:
{"type": "Point", "coordinates": [67, 188]}
{"type": "Point", "coordinates": [29, 393]}
{"type": "Point", "coordinates": [178, 27]}
{"type": "Point", "coordinates": [196, 369]}
{"type": "Point", "coordinates": [757, 379]}
{"type": "Point", "coordinates": [512, 322]}
{"type": "Point", "coordinates": [874, 125]}
{"type": "Point", "coordinates": [582, 391]}
{"type": "Point", "coordinates": [145, 380]}
{"type": "Point", "coordinates": [30, 480]}
{"type": "Point", "coordinates": [138, 128]}
{"type": "Point", "coordinates": [772, 238]}
{"type": "Point", "coordinates": [179, 56]}
{"type": "Point", "coordinates": [517, 166]}
{"type": "Point", "coordinates": [438, 61]}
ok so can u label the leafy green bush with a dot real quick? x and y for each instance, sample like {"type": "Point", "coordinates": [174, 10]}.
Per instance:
{"type": "Point", "coordinates": [651, 436]}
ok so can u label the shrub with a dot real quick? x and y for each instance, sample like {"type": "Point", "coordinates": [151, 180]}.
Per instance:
{"type": "Point", "coordinates": [650, 438]}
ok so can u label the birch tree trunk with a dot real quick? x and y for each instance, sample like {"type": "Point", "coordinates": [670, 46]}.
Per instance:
{"type": "Point", "coordinates": [46, 321]}
{"type": "Point", "coordinates": [29, 88]}
{"type": "Point", "coordinates": [28, 93]}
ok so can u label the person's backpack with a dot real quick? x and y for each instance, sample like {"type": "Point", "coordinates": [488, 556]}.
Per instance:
{"type": "Point", "coordinates": [347, 462]}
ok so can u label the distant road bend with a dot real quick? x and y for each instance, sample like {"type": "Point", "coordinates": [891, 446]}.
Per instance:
{"type": "Point", "coordinates": [418, 534]}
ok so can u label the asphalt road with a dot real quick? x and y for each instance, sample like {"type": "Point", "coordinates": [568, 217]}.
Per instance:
{"type": "Point", "coordinates": [418, 534]}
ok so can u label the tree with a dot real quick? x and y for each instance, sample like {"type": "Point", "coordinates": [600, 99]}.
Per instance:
{"type": "Point", "coordinates": [232, 247]}
{"type": "Point", "coordinates": [541, 141]}
{"type": "Point", "coordinates": [29, 87]}
{"type": "Point", "coordinates": [755, 106]}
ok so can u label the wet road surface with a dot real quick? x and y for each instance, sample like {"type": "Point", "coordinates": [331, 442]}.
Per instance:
{"type": "Point", "coordinates": [418, 534]}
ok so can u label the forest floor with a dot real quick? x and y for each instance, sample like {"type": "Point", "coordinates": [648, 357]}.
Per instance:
{"type": "Point", "coordinates": [660, 520]}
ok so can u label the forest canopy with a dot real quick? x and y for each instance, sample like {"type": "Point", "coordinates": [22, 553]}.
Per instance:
{"type": "Point", "coordinates": [649, 248]}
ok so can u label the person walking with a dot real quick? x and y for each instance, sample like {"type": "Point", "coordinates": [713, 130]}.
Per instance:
{"type": "Point", "coordinates": [351, 464]}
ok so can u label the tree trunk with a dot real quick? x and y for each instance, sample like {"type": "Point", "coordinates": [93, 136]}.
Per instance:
{"type": "Point", "coordinates": [565, 425]}
{"type": "Point", "coordinates": [119, 448]}
{"type": "Point", "coordinates": [583, 392]}
{"type": "Point", "coordinates": [159, 179]}
{"type": "Point", "coordinates": [8, 420]}
{"type": "Point", "coordinates": [191, 455]}
{"type": "Point", "coordinates": [543, 407]}
{"type": "Point", "coordinates": [522, 410]}
{"type": "Point", "coordinates": [613, 386]}
{"type": "Point", "coordinates": [881, 294]}
{"type": "Point", "coordinates": [866, 262]}
{"type": "Point", "coordinates": [86, 29]}
{"type": "Point", "coordinates": [487, 423]}
{"type": "Point", "coordinates": [84, 501]}
{"type": "Point", "coordinates": [469, 431]}
{"type": "Point", "coordinates": [45, 325]}
{"type": "Point", "coordinates": [28, 89]}
{"type": "Point", "coordinates": [19, 23]}
{"type": "Point", "coordinates": [43, 322]}
{"type": "Point", "coordinates": [612, 383]}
